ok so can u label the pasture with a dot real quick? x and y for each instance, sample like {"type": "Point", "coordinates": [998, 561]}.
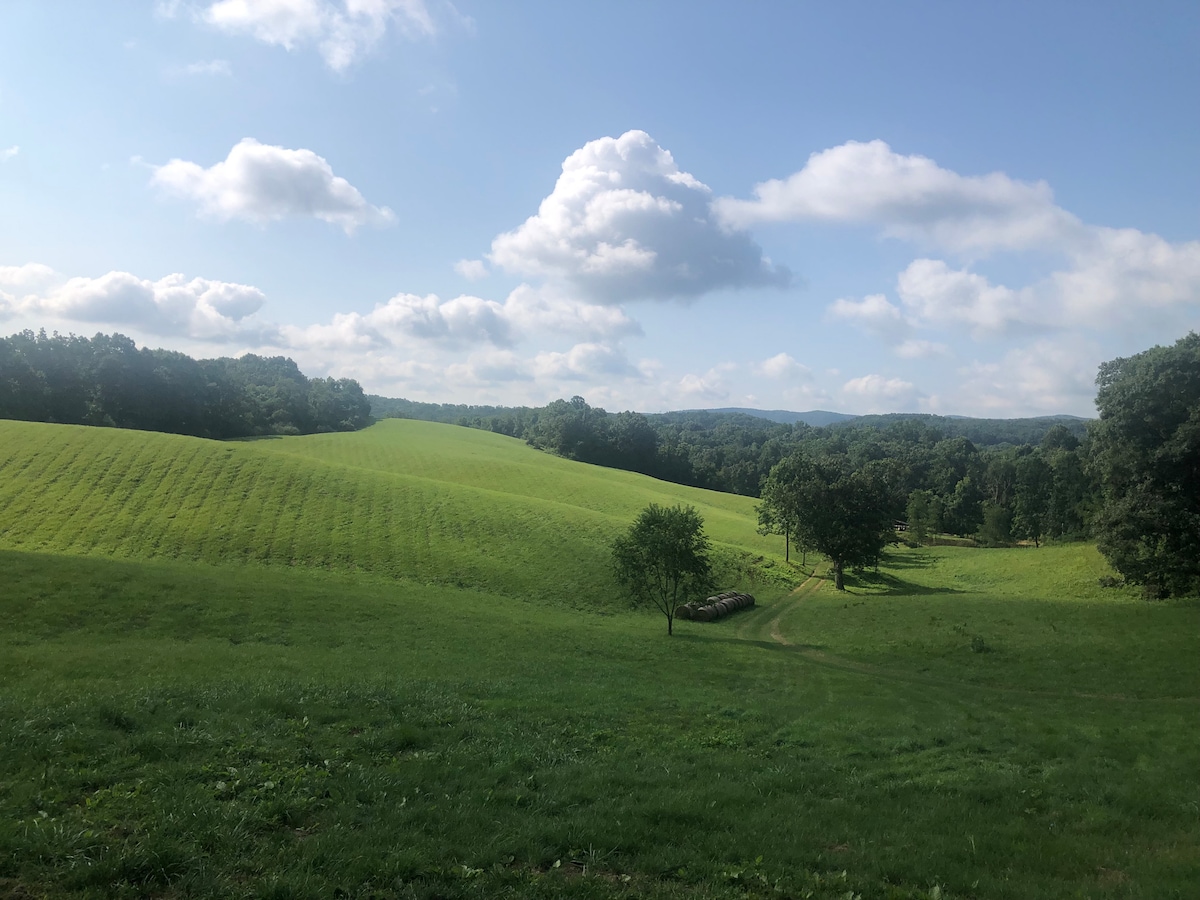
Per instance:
{"type": "Point", "coordinates": [392, 664]}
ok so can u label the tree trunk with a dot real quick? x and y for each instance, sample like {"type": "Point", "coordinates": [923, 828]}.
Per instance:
{"type": "Point", "coordinates": [838, 582]}
{"type": "Point", "coordinates": [670, 622]}
{"type": "Point", "coordinates": [787, 545]}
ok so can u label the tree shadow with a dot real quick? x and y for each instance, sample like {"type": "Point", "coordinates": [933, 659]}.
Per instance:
{"type": "Point", "coordinates": [884, 584]}
{"type": "Point", "coordinates": [895, 559]}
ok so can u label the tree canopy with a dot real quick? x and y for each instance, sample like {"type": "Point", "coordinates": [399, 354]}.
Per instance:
{"type": "Point", "coordinates": [842, 512]}
{"type": "Point", "coordinates": [109, 380]}
{"type": "Point", "coordinates": [1145, 450]}
{"type": "Point", "coordinates": [663, 559]}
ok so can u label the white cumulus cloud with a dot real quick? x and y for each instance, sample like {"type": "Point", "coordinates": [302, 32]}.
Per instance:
{"type": "Point", "coordinates": [263, 183]}
{"type": "Point", "coordinates": [466, 321]}
{"type": "Point", "coordinates": [875, 393]}
{"type": "Point", "coordinates": [910, 197]}
{"type": "Point", "coordinates": [1103, 275]}
{"type": "Point", "coordinates": [172, 306]}
{"type": "Point", "coordinates": [783, 366]}
{"type": "Point", "coordinates": [875, 314]}
{"type": "Point", "coordinates": [471, 269]}
{"type": "Point", "coordinates": [341, 32]}
{"type": "Point", "coordinates": [9, 153]}
{"type": "Point", "coordinates": [624, 222]}
{"type": "Point", "coordinates": [584, 362]}
{"type": "Point", "coordinates": [708, 387]}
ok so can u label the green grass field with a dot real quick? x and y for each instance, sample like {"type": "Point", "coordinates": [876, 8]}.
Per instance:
{"type": "Point", "coordinates": [393, 664]}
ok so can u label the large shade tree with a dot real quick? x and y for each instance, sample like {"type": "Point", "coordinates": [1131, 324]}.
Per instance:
{"type": "Point", "coordinates": [1145, 450]}
{"type": "Point", "coordinates": [842, 512]}
{"type": "Point", "coordinates": [663, 559]}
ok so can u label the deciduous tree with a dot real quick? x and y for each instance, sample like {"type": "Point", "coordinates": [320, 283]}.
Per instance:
{"type": "Point", "coordinates": [663, 559]}
{"type": "Point", "coordinates": [1145, 448]}
{"type": "Point", "coordinates": [842, 513]}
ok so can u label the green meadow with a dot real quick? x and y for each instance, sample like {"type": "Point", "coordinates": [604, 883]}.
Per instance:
{"type": "Point", "coordinates": [394, 664]}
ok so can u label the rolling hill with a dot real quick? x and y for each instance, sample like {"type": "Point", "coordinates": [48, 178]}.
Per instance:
{"type": "Point", "coordinates": [406, 499]}
{"type": "Point", "coordinates": [390, 664]}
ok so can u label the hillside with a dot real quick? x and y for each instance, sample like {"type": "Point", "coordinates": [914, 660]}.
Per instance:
{"type": "Point", "coordinates": [405, 499]}
{"type": "Point", "coordinates": [390, 665]}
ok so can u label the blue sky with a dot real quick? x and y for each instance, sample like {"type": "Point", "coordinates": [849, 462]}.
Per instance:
{"type": "Point", "coordinates": [956, 208]}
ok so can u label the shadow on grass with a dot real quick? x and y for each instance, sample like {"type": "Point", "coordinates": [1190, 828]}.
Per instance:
{"type": "Point", "coordinates": [900, 559]}
{"type": "Point", "coordinates": [882, 584]}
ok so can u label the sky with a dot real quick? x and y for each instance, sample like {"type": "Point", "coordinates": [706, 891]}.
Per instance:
{"type": "Point", "coordinates": [945, 207]}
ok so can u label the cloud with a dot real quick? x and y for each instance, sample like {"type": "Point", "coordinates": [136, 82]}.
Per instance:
{"type": "Point", "coordinates": [1130, 276]}
{"type": "Point", "coordinates": [462, 320]}
{"type": "Point", "coordinates": [623, 223]}
{"type": "Point", "coordinates": [584, 362]}
{"type": "Point", "coordinates": [26, 278]}
{"type": "Point", "coordinates": [783, 367]}
{"type": "Point", "coordinates": [880, 394]}
{"type": "Point", "coordinates": [710, 387]}
{"type": "Point", "coordinates": [209, 67]}
{"type": "Point", "coordinates": [1049, 377]}
{"type": "Point", "coordinates": [341, 32]}
{"type": "Point", "coordinates": [467, 321]}
{"type": "Point", "coordinates": [909, 197]}
{"type": "Point", "coordinates": [263, 183]}
{"type": "Point", "coordinates": [874, 314]}
{"type": "Point", "coordinates": [9, 153]}
{"type": "Point", "coordinates": [1103, 275]}
{"type": "Point", "coordinates": [471, 269]}
{"type": "Point", "coordinates": [1121, 279]}
{"type": "Point", "coordinates": [544, 309]}
{"type": "Point", "coordinates": [172, 306]}
{"type": "Point", "coordinates": [919, 349]}
{"type": "Point", "coordinates": [935, 294]}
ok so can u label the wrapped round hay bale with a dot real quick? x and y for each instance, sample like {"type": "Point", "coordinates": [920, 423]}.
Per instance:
{"type": "Point", "coordinates": [683, 612]}
{"type": "Point", "coordinates": [703, 614]}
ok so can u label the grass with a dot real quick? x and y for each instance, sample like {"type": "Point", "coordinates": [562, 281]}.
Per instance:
{"type": "Point", "coordinates": [418, 500]}
{"type": "Point", "coordinates": [213, 723]}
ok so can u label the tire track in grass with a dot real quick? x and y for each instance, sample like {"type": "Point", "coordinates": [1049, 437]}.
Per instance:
{"type": "Point", "coordinates": [814, 582]}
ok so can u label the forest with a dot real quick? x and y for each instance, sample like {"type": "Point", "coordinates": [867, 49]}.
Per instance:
{"type": "Point", "coordinates": [108, 380]}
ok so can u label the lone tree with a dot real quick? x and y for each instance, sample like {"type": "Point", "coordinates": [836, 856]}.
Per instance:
{"type": "Point", "coordinates": [663, 558]}
{"type": "Point", "coordinates": [1145, 452]}
{"type": "Point", "coordinates": [842, 513]}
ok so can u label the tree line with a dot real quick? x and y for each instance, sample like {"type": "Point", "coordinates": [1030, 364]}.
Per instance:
{"type": "Point", "coordinates": [109, 380]}
{"type": "Point", "coordinates": [936, 479]}
{"type": "Point", "coordinates": [1129, 479]}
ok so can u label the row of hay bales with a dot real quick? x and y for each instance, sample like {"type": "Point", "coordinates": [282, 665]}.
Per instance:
{"type": "Point", "coordinates": [715, 607]}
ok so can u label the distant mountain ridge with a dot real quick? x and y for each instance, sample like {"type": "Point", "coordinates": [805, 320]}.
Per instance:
{"type": "Point", "coordinates": [817, 418]}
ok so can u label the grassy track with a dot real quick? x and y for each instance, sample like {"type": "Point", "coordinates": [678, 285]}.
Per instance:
{"type": "Point", "coordinates": [329, 721]}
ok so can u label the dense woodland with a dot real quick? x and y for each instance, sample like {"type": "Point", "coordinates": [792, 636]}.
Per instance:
{"type": "Point", "coordinates": [108, 380]}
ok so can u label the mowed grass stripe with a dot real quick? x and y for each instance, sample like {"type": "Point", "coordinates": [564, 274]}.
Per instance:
{"type": "Point", "coordinates": [449, 453]}
{"type": "Point", "coordinates": [137, 495]}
